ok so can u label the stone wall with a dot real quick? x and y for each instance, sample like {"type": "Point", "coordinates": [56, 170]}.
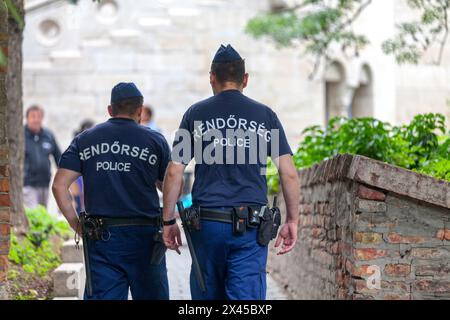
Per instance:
{"type": "Point", "coordinates": [369, 230]}
{"type": "Point", "coordinates": [4, 180]}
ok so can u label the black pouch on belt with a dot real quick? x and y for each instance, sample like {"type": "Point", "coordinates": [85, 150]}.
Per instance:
{"type": "Point", "coordinates": [240, 216]}
{"type": "Point", "coordinates": [93, 228]}
{"type": "Point", "coordinates": [193, 218]}
{"type": "Point", "coordinates": [265, 227]}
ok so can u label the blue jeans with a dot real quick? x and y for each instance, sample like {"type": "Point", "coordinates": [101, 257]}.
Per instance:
{"type": "Point", "coordinates": [123, 263]}
{"type": "Point", "coordinates": [234, 267]}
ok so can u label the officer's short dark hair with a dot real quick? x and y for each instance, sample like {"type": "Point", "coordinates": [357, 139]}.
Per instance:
{"type": "Point", "coordinates": [127, 106]}
{"type": "Point", "coordinates": [32, 108]}
{"type": "Point", "coordinates": [229, 71]}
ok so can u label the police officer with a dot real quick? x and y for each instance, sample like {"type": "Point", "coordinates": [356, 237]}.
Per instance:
{"type": "Point", "coordinates": [230, 183]}
{"type": "Point", "coordinates": [122, 164]}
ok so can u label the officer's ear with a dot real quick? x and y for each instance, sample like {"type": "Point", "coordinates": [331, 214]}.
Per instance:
{"type": "Point", "coordinates": [212, 79]}
{"type": "Point", "coordinates": [110, 111]}
{"type": "Point", "coordinates": [245, 81]}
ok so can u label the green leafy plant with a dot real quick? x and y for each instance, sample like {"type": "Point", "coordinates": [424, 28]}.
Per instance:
{"type": "Point", "coordinates": [43, 225]}
{"type": "Point", "coordinates": [37, 252]}
{"type": "Point", "coordinates": [365, 136]}
{"type": "Point", "coordinates": [422, 145]}
{"type": "Point", "coordinates": [33, 259]}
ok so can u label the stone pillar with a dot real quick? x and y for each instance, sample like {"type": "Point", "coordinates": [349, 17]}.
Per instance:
{"type": "Point", "coordinates": [4, 175]}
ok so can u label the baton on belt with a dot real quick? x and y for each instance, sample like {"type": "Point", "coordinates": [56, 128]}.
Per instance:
{"type": "Point", "coordinates": [87, 266]}
{"type": "Point", "coordinates": [187, 232]}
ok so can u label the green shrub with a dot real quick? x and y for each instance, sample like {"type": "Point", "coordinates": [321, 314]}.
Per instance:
{"type": "Point", "coordinates": [37, 252]}
{"type": "Point", "coordinates": [43, 225]}
{"type": "Point", "coordinates": [365, 136]}
{"type": "Point", "coordinates": [422, 145]}
{"type": "Point", "coordinates": [38, 260]}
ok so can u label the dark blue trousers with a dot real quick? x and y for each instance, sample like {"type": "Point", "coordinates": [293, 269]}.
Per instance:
{"type": "Point", "coordinates": [234, 266]}
{"type": "Point", "coordinates": [123, 263]}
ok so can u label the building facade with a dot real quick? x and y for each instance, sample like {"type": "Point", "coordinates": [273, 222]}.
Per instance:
{"type": "Point", "coordinates": [73, 55]}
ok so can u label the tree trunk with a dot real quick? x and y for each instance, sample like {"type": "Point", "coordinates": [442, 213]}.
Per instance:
{"type": "Point", "coordinates": [4, 197]}
{"type": "Point", "coordinates": [15, 119]}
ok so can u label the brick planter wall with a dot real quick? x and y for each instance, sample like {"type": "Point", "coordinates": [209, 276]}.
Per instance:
{"type": "Point", "coordinates": [4, 180]}
{"type": "Point", "coordinates": [361, 218]}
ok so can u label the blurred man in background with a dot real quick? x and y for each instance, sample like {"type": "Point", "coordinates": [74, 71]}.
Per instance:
{"type": "Point", "coordinates": [147, 118]}
{"type": "Point", "coordinates": [39, 145]}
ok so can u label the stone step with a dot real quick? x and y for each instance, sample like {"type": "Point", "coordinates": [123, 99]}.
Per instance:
{"type": "Point", "coordinates": [70, 254]}
{"type": "Point", "coordinates": [69, 280]}
{"type": "Point", "coordinates": [66, 298]}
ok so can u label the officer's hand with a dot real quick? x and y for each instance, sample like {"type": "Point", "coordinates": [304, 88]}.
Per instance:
{"type": "Point", "coordinates": [172, 237]}
{"type": "Point", "coordinates": [75, 225]}
{"type": "Point", "coordinates": [287, 236]}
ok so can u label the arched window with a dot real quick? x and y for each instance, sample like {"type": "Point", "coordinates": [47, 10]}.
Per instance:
{"type": "Point", "coordinates": [362, 105]}
{"type": "Point", "coordinates": [335, 80]}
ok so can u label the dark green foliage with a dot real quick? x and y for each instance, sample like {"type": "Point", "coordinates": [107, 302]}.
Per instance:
{"type": "Point", "coordinates": [364, 136]}
{"type": "Point", "coordinates": [422, 145]}
{"type": "Point", "coordinates": [37, 253]}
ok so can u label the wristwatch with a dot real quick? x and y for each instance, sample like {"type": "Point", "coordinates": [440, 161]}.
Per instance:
{"type": "Point", "coordinates": [170, 222]}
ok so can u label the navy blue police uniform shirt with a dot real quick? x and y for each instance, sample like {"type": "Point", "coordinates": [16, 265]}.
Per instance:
{"type": "Point", "coordinates": [229, 184]}
{"type": "Point", "coordinates": [120, 161]}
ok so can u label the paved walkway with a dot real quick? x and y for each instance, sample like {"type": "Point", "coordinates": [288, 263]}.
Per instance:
{"type": "Point", "coordinates": [179, 267]}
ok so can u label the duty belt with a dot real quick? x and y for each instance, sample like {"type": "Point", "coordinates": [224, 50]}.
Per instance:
{"type": "Point", "coordinates": [225, 216]}
{"type": "Point", "coordinates": [216, 215]}
{"type": "Point", "coordinates": [124, 222]}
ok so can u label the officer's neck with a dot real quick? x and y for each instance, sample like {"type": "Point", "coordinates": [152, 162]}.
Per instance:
{"type": "Point", "coordinates": [227, 86]}
{"type": "Point", "coordinates": [126, 116]}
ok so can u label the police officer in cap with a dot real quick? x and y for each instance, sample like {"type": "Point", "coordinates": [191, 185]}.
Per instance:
{"type": "Point", "coordinates": [230, 191]}
{"type": "Point", "coordinates": [122, 164]}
